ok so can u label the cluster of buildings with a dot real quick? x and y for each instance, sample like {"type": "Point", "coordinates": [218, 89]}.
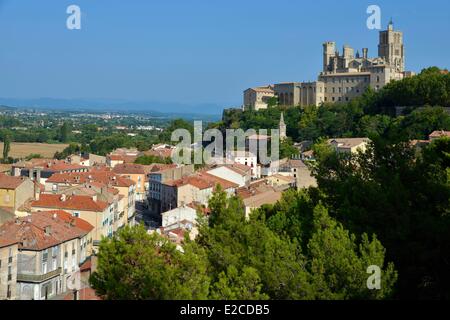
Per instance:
{"type": "Point", "coordinates": [344, 76]}
{"type": "Point", "coordinates": [54, 213]}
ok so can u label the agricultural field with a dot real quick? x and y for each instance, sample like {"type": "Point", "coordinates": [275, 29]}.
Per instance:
{"type": "Point", "coordinates": [22, 149]}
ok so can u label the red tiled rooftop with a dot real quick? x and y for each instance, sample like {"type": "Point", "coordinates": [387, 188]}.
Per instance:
{"type": "Point", "coordinates": [67, 217]}
{"type": "Point", "coordinates": [9, 182]}
{"type": "Point", "coordinates": [30, 231]}
{"type": "Point", "coordinates": [4, 242]}
{"type": "Point", "coordinates": [129, 168]}
{"type": "Point", "coordinates": [202, 180]}
{"type": "Point", "coordinates": [159, 167]}
{"type": "Point", "coordinates": [161, 153]}
{"type": "Point", "coordinates": [50, 165]}
{"type": "Point", "coordinates": [440, 133]}
{"type": "Point", "coordinates": [75, 202]}
{"type": "Point", "coordinates": [124, 158]}
{"type": "Point", "coordinates": [84, 294]}
{"type": "Point", "coordinates": [106, 177]}
{"type": "Point", "coordinates": [86, 266]}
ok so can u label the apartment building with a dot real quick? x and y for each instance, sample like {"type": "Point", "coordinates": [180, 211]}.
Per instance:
{"type": "Point", "coordinates": [137, 173]}
{"type": "Point", "coordinates": [8, 268]}
{"type": "Point", "coordinates": [40, 170]}
{"type": "Point", "coordinates": [100, 214]}
{"type": "Point", "coordinates": [14, 192]}
{"type": "Point", "coordinates": [126, 187]}
{"type": "Point", "coordinates": [50, 250]}
{"type": "Point", "coordinates": [237, 173]}
{"type": "Point", "coordinates": [196, 188]}
{"type": "Point", "coordinates": [349, 145]}
{"type": "Point", "coordinates": [159, 174]}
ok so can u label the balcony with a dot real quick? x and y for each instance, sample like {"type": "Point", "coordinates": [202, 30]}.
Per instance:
{"type": "Point", "coordinates": [38, 277]}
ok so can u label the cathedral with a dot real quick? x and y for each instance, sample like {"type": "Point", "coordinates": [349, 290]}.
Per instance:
{"type": "Point", "coordinates": [344, 75]}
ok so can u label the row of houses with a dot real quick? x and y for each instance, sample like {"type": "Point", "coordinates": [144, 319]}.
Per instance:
{"type": "Point", "coordinates": [54, 213]}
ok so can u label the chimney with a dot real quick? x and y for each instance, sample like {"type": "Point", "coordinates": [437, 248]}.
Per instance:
{"type": "Point", "coordinates": [48, 230]}
{"type": "Point", "coordinates": [63, 197]}
{"type": "Point", "coordinates": [365, 52]}
{"type": "Point", "coordinates": [55, 216]}
{"type": "Point", "coordinates": [94, 197]}
{"type": "Point", "coordinates": [38, 174]}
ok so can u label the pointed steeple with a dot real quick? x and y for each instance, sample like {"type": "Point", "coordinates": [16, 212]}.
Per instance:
{"type": "Point", "coordinates": [391, 25]}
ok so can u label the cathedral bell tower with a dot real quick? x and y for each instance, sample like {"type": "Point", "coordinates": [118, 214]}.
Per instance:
{"type": "Point", "coordinates": [391, 47]}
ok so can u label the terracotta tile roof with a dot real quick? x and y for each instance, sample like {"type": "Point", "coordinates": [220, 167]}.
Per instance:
{"type": "Point", "coordinates": [160, 167]}
{"type": "Point", "coordinates": [5, 242]}
{"type": "Point", "coordinates": [100, 185]}
{"type": "Point", "coordinates": [192, 180]}
{"type": "Point", "coordinates": [50, 165]}
{"type": "Point", "coordinates": [84, 295]}
{"type": "Point", "coordinates": [439, 134]}
{"type": "Point", "coordinates": [202, 180]}
{"type": "Point", "coordinates": [213, 180]}
{"type": "Point", "coordinates": [86, 266]}
{"type": "Point", "coordinates": [124, 158]}
{"type": "Point", "coordinates": [126, 151]}
{"type": "Point", "coordinates": [103, 176]}
{"type": "Point", "coordinates": [161, 153]}
{"type": "Point", "coordinates": [256, 187]}
{"type": "Point", "coordinates": [295, 163]}
{"type": "Point", "coordinates": [67, 217]}
{"type": "Point", "coordinates": [132, 168]}
{"type": "Point", "coordinates": [5, 167]}
{"type": "Point", "coordinates": [6, 214]}
{"type": "Point", "coordinates": [418, 143]}
{"type": "Point", "coordinates": [288, 179]}
{"type": "Point", "coordinates": [236, 167]}
{"type": "Point", "coordinates": [75, 202]}
{"type": "Point", "coordinates": [268, 197]}
{"type": "Point", "coordinates": [348, 142]}
{"type": "Point", "coordinates": [30, 232]}
{"type": "Point", "coordinates": [240, 168]}
{"type": "Point", "coordinates": [9, 182]}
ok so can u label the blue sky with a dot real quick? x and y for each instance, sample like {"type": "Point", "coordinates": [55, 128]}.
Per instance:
{"type": "Point", "coordinates": [195, 51]}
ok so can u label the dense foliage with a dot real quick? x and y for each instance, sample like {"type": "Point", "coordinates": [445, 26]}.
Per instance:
{"type": "Point", "coordinates": [235, 258]}
{"type": "Point", "coordinates": [372, 114]}
{"type": "Point", "coordinates": [389, 204]}
{"type": "Point", "coordinates": [402, 198]}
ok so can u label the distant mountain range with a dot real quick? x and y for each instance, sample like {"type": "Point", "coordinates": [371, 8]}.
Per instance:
{"type": "Point", "coordinates": [105, 105]}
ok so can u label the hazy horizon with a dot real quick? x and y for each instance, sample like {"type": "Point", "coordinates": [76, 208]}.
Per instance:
{"type": "Point", "coordinates": [194, 54]}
